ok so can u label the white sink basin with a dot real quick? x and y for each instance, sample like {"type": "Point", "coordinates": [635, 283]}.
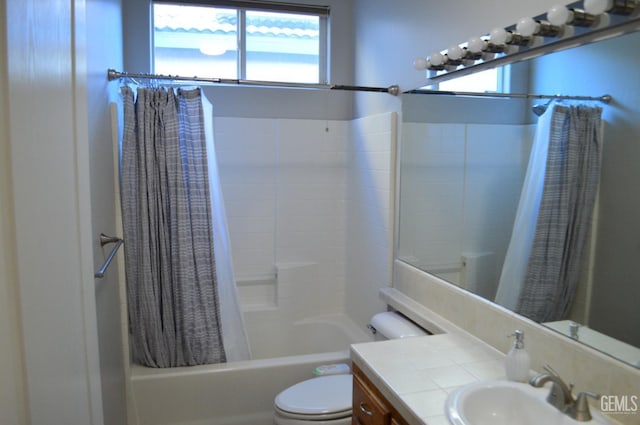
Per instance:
{"type": "Point", "coordinates": [507, 403]}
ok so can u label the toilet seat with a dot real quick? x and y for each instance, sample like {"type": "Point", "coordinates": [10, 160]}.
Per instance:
{"type": "Point", "coordinates": [316, 399]}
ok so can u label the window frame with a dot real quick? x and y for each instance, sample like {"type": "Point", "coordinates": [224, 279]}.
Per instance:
{"type": "Point", "coordinates": [242, 7]}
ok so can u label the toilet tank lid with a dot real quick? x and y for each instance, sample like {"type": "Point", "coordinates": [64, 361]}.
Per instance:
{"type": "Point", "coordinates": [392, 325]}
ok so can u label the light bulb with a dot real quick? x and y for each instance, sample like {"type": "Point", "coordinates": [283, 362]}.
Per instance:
{"type": "Point", "coordinates": [420, 64]}
{"type": "Point", "coordinates": [455, 52]}
{"type": "Point", "coordinates": [527, 27]}
{"type": "Point", "coordinates": [498, 36]}
{"type": "Point", "coordinates": [597, 7]}
{"type": "Point", "coordinates": [436, 59]}
{"type": "Point", "coordinates": [559, 15]}
{"type": "Point", "coordinates": [476, 45]}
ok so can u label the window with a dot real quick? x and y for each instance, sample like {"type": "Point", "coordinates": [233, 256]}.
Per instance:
{"type": "Point", "coordinates": [254, 41]}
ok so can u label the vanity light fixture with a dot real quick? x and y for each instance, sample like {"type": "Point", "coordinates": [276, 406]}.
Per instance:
{"type": "Point", "coordinates": [455, 55]}
{"type": "Point", "coordinates": [529, 27]}
{"type": "Point", "coordinates": [436, 61]}
{"type": "Point", "coordinates": [420, 64]}
{"type": "Point", "coordinates": [560, 15]}
{"type": "Point", "coordinates": [561, 27]}
{"type": "Point", "coordinates": [500, 39]}
{"type": "Point", "coordinates": [476, 46]}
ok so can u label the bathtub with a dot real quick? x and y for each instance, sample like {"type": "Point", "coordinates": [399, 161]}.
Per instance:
{"type": "Point", "coordinates": [242, 393]}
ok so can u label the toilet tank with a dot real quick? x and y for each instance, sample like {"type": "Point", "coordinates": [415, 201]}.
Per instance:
{"type": "Point", "coordinates": [392, 325]}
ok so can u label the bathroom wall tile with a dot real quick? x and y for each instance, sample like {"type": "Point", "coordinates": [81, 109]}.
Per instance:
{"type": "Point", "coordinates": [245, 141]}
{"type": "Point", "coordinates": [369, 203]}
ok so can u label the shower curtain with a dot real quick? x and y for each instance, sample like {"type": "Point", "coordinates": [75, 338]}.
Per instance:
{"type": "Point", "coordinates": [180, 289]}
{"type": "Point", "coordinates": [543, 261]}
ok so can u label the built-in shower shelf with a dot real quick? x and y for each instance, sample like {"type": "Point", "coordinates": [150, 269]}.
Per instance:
{"type": "Point", "coordinates": [257, 293]}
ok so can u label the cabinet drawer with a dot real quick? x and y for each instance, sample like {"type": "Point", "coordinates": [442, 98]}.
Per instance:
{"type": "Point", "coordinates": [368, 409]}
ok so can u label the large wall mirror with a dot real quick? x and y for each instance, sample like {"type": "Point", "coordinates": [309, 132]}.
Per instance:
{"type": "Point", "coordinates": [462, 166]}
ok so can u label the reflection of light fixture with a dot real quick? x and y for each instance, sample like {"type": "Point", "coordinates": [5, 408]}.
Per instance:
{"type": "Point", "coordinates": [598, 7]}
{"type": "Point", "coordinates": [559, 15]}
{"type": "Point", "coordinates": [212, 49]}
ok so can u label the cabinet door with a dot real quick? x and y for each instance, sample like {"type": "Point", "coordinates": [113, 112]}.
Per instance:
{"type": "Point", "coordinates": [397, 421]}
{"type": "Point", "coordinates": [368, 409]}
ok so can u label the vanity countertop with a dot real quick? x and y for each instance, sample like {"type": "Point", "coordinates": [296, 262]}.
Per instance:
{"type": "Point", "coordinates": [417, 374]}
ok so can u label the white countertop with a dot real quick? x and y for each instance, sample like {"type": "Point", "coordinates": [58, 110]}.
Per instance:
{"type": "Point", "coordinates": [417, 374]}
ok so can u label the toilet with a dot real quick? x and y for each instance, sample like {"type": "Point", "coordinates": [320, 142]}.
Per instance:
{"type": "Point", "coordinates": [326, 400]}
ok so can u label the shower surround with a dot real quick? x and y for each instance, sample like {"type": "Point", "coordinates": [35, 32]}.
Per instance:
{"type": "Point", "coordinates": [315, 193]}
{"type": "Point", "coordinates": [310, 209]}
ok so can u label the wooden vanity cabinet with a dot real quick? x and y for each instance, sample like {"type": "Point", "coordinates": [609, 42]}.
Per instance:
{"type": "Point", "coordinates": [370, 407]}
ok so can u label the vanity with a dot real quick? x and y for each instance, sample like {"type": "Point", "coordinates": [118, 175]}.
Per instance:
{"type": "Point", "coordinates": [407, 381]}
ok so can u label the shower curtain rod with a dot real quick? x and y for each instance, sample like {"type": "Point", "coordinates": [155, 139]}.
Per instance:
{"type": "Point", "coordinates": [604, 98]}
{"type": "Point", "coordinates": [112, 74]}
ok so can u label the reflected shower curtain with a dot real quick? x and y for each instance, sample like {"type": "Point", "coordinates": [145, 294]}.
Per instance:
{"type": "Point", "coordinates": [543, 261]}
{"type": "Point", "coordinates": [174, 274]}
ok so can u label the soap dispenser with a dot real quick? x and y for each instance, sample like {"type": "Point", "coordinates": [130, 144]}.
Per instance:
{"type": "Point", "coordinates": [518, 361]}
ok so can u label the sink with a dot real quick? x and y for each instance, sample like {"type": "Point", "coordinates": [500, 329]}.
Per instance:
{"type": "Point", "coordinates": [507, 403]}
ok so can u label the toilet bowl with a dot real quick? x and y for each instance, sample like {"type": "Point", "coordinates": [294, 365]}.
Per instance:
{"type": "Point", "coordinates": [326, 400]}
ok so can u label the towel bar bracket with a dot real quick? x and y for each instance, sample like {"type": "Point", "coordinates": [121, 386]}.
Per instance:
{"type": "Point", "coordinates": [105, 240]}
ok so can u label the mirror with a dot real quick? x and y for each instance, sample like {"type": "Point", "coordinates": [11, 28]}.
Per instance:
{"type": "Point", "coordinates": [462, 166]}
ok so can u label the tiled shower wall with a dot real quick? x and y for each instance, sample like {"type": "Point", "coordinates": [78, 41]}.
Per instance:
{"type": "Point", "coordinates": [284, 187]}
{"type": "Point", "coordinates": [312, 194]}
{"type": "Point", "coordinates": [460, 186]}
{"type": "Point", "coordinates": [370, 213]}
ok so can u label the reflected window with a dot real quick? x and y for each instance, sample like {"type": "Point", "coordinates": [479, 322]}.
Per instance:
{"type": "Point", "coordinates": [495, 80]}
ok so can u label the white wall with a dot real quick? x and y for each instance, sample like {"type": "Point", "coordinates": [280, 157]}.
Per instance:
{"type": "Point", "coordinates": [48, 139]}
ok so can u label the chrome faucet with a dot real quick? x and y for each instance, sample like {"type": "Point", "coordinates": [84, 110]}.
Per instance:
{"type": "Point", "coordinates": [561, 397]}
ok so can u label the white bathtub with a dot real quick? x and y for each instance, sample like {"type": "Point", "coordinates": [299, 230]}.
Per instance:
{"type": "Point", "coordinates": [242, 393]}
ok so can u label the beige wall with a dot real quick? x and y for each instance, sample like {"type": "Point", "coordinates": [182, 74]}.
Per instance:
{"type": "Point", "coordinates": [12, 397]}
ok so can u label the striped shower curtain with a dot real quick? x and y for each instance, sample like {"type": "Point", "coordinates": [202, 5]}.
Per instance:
{"type": "Point", "coordinates": [170, 265]}
{"type": "Point", "coordinates": [543, 262]}
{"type": "Point", "coordinates": [566, 208]}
